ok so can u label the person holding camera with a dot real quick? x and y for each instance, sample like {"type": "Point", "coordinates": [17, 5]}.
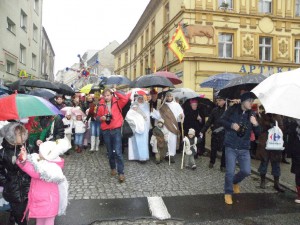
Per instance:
{"type": "Point", "coordinates": [110, 113]}
{"type": "Point", "coordinates": [238, 122]}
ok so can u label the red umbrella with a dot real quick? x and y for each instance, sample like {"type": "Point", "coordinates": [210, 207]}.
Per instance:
{"type": "Point", "coordinates": [171, 76]}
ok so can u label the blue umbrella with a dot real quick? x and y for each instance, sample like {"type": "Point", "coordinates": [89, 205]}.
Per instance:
{"type": "Point", "coordinates": [218, 81]}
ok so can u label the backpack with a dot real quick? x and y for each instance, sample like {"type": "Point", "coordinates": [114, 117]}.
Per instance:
{"type": "Point", "coordinates": [275, 138]}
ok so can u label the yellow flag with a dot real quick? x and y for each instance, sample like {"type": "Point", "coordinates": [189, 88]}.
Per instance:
{"type": "Point", "coordinates": [179, 44]}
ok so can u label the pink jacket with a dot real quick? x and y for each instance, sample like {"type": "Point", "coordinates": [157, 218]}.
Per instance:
{"type": "Point", "coordinates": [43, 197]}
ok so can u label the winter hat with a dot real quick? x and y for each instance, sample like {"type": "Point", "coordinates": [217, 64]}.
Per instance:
{"type": "Point", "coordinates": [161, 121]}
{"type": "Point", "coordinates": [50, 150]}
{"type": "Point", "coordinates": [247, 96]}
{"type": "Point", "coordinates": [191, 131]}
{"type": "Point", "coordinates": [68, 113]}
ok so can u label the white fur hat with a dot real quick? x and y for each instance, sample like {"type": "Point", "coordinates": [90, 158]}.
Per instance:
{"type": "Point", "coordinates": [161, 121]}
{"type": "Point", "coordinates": [191, 131]}
{"type": "Point", "coordinates": [51, 150]}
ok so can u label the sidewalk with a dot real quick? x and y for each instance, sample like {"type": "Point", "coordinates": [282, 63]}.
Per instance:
{"type": "Point", "coordinates": [287, 179]}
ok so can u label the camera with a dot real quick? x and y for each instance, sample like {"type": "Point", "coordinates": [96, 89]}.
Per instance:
{"type": "Point", "coordinates": [108, 118]}
{"type": "Point", "coordinates": [242, 131]}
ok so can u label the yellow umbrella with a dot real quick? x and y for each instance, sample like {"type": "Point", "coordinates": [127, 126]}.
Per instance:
{"type": "Point", "coordinates": [89, 88]}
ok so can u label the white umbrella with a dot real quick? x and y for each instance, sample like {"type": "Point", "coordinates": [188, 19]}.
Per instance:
{"type": "Point", "coordinates": [278, 93]}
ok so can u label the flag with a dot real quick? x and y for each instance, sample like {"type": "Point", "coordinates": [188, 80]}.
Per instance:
{"type": "Point", "coordinates": [179, 44]}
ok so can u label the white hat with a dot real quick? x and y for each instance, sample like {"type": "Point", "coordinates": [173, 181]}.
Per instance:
{"type": "Point", "coordinates": [191, 131]}
{"type": "Point", "coordinates": [51, 150]}
{"type": "Point", "coordinates": [161, 121]}
{"type": "Point", "coordinates": [68, 113]}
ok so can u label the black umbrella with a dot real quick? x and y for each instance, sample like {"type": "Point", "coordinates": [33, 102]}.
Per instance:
{"type": "Point", "coordinates": [244, 83]}
{"type": "Point", "coordinates": [115, 79]}
{"type": "Point", "coordinates": [64, 89]}
{"type": "Point", "coordinates": [44, 93]}
{"type": "Point", "coordinates": [17, 85]}
{"type": "Point", "coordinates": [151, 81]}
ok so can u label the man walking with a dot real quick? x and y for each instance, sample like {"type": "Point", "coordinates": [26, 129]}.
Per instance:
{"type": "Point", "coordinates": [110, 113]}
{"type": "Point", "coordinates": [218, 132]}
{"type": "Point", "coordinates": [238, 121]}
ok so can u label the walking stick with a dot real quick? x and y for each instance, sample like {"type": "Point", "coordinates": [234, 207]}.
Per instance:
{"type": "Point", "coordinates": [182, 160]}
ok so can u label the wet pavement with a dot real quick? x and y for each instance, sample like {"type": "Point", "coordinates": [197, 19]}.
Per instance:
{"type": "Point", "coordinates": [191, 197]}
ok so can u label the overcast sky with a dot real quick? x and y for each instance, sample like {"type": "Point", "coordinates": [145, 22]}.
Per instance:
{"type": "Point", "coordinates": [74, 26]}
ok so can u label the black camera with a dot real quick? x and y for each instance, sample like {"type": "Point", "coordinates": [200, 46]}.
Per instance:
{"type": "Point", "coordinates": [108, 118]}
{"type": "Point", "coordinates": [242, 130]}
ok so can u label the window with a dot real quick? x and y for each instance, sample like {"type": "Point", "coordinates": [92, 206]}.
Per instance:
{"type": "Point", "coordinates": [119, 61]}
{"type": "Point", "coordinates": [36, 6]}
{"type": "Point", "coordinates": [11, 26]}
{"type": "Point", "coordinates": [23, 22]}
{"type": "Point", "coordinates": [33, 65]}
{"type": "Point", "coordinates": [35, 32]}
{"type": "Point", "coordinates": [265, 49]}
{"type": "Point", "coordinates": [225, 45]}
{"type": "Point", "coordinates": [22, 54]}
{"type": "Point", "coordinates": [297, 6]}
{"type": "Point", "coordinates": [265, 6]}
{"type": "Point", "coordinates": [297, 51]}
{"type": "Point", "coordinates": [153, 29]}
{"type": "Point", "coordinates": [10, 67]}
{"type": "Point", "coordinates": [142, 42]}
{"type": "Point", "coordinates": [225, 4]}
{"type": "Point", "coordinates": [166, 14]}
{"type": "Point", "coordinates": [135, 49]}
{"type": "Point", "coordinates": [126, 57]}
{"type": "Point", "coordinates": [147, 36]}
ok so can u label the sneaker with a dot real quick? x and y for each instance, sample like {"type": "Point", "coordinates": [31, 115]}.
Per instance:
{"type": "Point", "coordinates": [236, 188]}
{"type": "Point", "coordinates": [121, 178]}
{"type": "Point", "coordinates": [113, 172]}
{"type": "Point", "coordinates": [210, 166]}
{"type": "Point", "coordinates": [228, 199]}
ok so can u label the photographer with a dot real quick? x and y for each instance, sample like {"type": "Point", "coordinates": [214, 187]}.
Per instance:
{"type": "Point", "coordinates": [238, 121]}
{"type": "Point", "coordinates": [110, 113]}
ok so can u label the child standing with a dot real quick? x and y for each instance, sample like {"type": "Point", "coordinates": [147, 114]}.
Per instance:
{"type": "Point", "coordinates": [68, 125]}
{"type": "Point", "coordinates": [190, 149]}
{"type": "Point", "coordinates": [47, 179]}
{"type": "Point", "coordinates": [159, 141]}
{"type": "Point", "coordinates": [80, 129]}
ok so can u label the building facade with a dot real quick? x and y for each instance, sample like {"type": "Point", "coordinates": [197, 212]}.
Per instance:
{"type": "Point", "coordinates": [47, 58]}
{"type": "Point", "coordinates": [249, 37]}
{"type": "Point", "coordinates": [20, 39]}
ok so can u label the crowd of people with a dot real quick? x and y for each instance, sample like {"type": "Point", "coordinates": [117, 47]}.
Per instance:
{"type": "Point", "coordinates": [161, 128]}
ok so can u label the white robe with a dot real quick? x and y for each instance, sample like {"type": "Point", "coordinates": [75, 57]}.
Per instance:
{"type": "Point", "coordinates": [172, 138]}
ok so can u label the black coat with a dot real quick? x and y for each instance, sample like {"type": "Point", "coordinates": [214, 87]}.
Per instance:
{"type": "Point", "coordinates": [213, 120]}
{"type": "Point", "coordinates": [14, 181]}
{"type": "Point", "coordinates": [58, 131]}
{"type": "Point", "coordinates": [293, 146]}
{"type": "Point", "coordinates": [190, 120]}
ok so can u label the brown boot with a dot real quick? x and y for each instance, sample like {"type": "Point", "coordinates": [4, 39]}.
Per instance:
{"type": "Point", "coordinates": [228, 199]}
{"type": "Point", "coordinates": [113, 172]}
{"type": "Point", "coordinates": [121, 178]}
{"type": "Point", "coordinates": [78, 149]}
{"type": "Point", "coordinates": [297, 200]}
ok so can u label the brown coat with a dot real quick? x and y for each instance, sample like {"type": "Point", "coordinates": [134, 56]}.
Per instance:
{"type": "Point", "coordinates": [267, 121]}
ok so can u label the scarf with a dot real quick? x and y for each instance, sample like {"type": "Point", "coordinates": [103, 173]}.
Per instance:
{"type": "Point", "coordinates": [51, 172]}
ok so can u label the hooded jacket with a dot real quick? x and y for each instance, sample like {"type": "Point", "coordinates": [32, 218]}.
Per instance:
{"type": "Point", "coordinates": [117, 104]}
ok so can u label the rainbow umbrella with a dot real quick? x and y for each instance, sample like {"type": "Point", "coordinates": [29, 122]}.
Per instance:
{"type": "Point", "coordinates": [17, 106]}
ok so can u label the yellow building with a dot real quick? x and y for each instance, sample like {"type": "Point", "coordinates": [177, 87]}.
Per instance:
{"type": "Point", "coordinates": [250, 37]}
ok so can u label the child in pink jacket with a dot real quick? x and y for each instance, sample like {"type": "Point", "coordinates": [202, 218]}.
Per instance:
{"type": "Point", "coordinates": [48, 193]}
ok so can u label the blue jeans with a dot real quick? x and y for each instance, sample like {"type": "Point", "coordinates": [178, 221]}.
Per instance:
{"type": "Point", "coordinates": [113, 142]}
{"type": "Point", "coordinates": [95, 128]}
{"type": "Point", "coordinates": [244, 160]}
{"type": "Point", "coordinates": [263, 167]}
{"type": "Point", "coordinates": [79, 139]}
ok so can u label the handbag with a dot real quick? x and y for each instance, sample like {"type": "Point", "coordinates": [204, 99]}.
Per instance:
{"type": "Point", "coordinates": [126, 130]}
{"type": "Point", "coordinates": [275, 138]}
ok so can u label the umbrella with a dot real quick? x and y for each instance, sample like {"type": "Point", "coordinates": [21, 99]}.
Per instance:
{"type": "Point", "coordinates": [184, 93]}
{"type": "Point", "coordinates": [151, 80]}
{"type": "Point", "coordinates": [115, 79]}
{"type": "Point", "coordinates": [171, 76]}
{"type": "Point", "coordinates": [278, 92]}
{"type": "Point", "coordinates": [244, 83]}
{"type": "Point", "coordinates": [64, 89]}
{"type": "Point", "coordinates": [4, 90]}
{"type": "Point", "coordinates": [90, 88]}
{"type": "Point", "coordinates": [44, 93]}
{"type": "Point", "coordinates": [17, 106]}
{"type": "Point", "coordinates": [17, 85]}
{"type": "Point", "coordinates": [218, 81]}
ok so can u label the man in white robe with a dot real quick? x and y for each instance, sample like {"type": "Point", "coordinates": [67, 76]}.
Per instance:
{"type": "Point", "coordinates": [172, 113]}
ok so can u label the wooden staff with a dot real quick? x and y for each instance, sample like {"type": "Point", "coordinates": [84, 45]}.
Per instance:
{"type": "Point", "coordinates": [182, 133]}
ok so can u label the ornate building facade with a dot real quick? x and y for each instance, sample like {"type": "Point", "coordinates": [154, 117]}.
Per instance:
{"type": "Point", "coordinates": [249, 37]}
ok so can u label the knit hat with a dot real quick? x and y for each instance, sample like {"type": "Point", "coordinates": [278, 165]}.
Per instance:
{"type": "Point", "coordinates": [161, 121]}
{"type": "Point", "coordinates": [191, 131]}
{"type": "Point", "coordinates": [247, 96]}
{"type": "Point", "coordinates": [50, 150]}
